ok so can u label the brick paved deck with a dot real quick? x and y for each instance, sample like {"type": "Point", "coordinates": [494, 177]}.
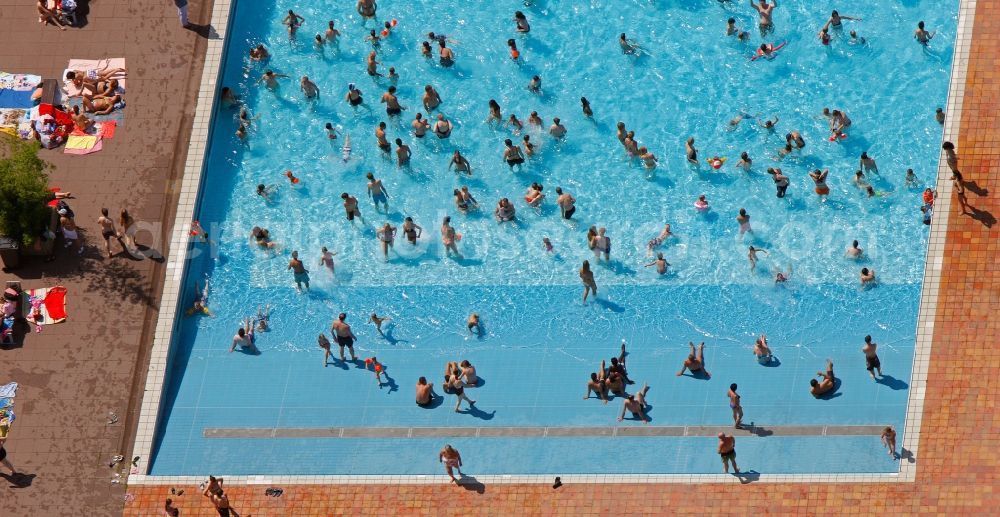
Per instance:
{"type": "Point", "coordinates": [73, 373]}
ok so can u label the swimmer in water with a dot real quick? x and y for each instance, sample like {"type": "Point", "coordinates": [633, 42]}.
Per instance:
{"type": "Point", "coordinates": [403, 153]}
{"type": "Point", "coordinates": [859, 179]}
{"type": "Point", "coordinates": [752, 256]}
{"type": "Point", "coordinates": [460, 163]}
{"type": "Point", "coordinates": [392, 106]}
{"type": "Point", "coordinates": [535, 85]}
{"type": "Point", "coordinates": [795, 138]}
{"type": "Point", "coordinates": [587, 277]}
{"type": "Point", "coordinates": [442, 128]}
{"type": "Point", "coordinates": [534, 119]}
{"type": "Point", "coordinates": [515, 124]}
{"type": "Point", "coordinates": [547, 244]}
{"type": "Point", "coordinates": [566, 202]}
{"type": "Point", "coordinates": [853, 251]}
{"type": "Point", "coordinates": [353, 95]}
{"type": "Point", "coordinates": [522, 22]}
{"type": "Point", "coordinates": [660, 263]}
{"type": "Point", "coordinates": [921, 35]}
{"type": "Point", "coordinates": [557, 130]}
{"type": "Point", "coordinates": [735, 121]}
{"type": "Point", "coordinates": [380, 139]}
{"type": "Point", "coordinates": [331, 133]}
{"type": "Point", "coordinates": [911, 178]}
{"type": "Point", "coordinates": [377, 321]}
{"type": "Point", "coordinates": [819, 179]}
{"type": "Point", "coordinates": [431, 98]}
{"type": "Point", "coordinates": [534, 195]}
{"type": "Point", "coordinates": [293, 22]}
{"type": "Point", "coordinates": [270, 79]}
{"type": "Point", "coordinates": [648, 159]}
{"type": "Point", "coordinates": [264, 192]}
{"type": "Point", "coordinates": [769, 124]}
{"type": "Point", "coordinates": [692, 152]}
{"type": "Point", "coordinates": [326, 259]}
{"type": "Point", "coordinates": [743, 219]}
{"type": "Point", "coordinates": [836, 20]}
{"type": "Point", "coordinates": [393, 76]}
{"type": "Point", "coordinates": [318, 42]}
{"type": "Point", "coordinates": [868, 163]}
{"type": "Point", "coordinates": [824, 36]}
{"type": "Point", "coordinates": [656, 241]}
{"type": "Point", "coordinates": [939, 116]}
{"type": "Point", "coordinates": [764, 10]}
{"type": "Point", "coordinates": [856, 40]}
{"type": "Point", "coordinates": [386, 236]}
{"type": "Point", "coordinates": [377, 192]}
{"type": "Point", "coordinates": [495, 113]}
{"type": "Point", "coordinates": [308, 87]}
{"type": "Point", "coordinates": [366, 8]}
{"type": "Point", "coordinates": [867, 276]}
{"type": "Point", "coordinates": [446, 54]}
{"type": "Point", "coordinates": [420, 125]}
{"type": "Point", "coordinates": [745, 162]}
{"type": "Point", "coordinates": [780, 277]}
{"type": "Point", "coordinates": [628, 47]}
{"type": "Point", "coordinates": [472, 323]}
{"type": "Point", "coordinates": [411, 230]}
{"type": "Point", "coordinates": [449, 237]}
{"type": "Point", "coordinates": [587, 112]}
{"type": "Point", "coordinates": [512, 154]}
{"type": "Point", "coordinates": [372, 63]}
{"type": "Point", "coordinates": [259, 53]}
{"type": "Point", "coordinates": [331, 33]}
{"type": "Point", "coordinates": [631, 146]}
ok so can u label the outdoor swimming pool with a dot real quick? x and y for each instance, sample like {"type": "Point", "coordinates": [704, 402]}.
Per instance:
{"type": "Point", "coordinates": [540, 343]}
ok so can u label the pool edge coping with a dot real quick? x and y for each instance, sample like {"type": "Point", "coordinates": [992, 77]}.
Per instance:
{"type": "Point", "coordinates": [170, 299]}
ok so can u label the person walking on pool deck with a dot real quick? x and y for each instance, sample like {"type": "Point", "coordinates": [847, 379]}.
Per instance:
{"type": "Point", "coordinates": [107, 230]}
{"type": "Point", "coordinates": [299, 270]}
{"type": "Point", "coordinates": [695, 362]}
{"type": "Point", "coordinates": [324, 343]}
{"type": "Point", "coordinates": [452, 460]}
{"type": "Point", "coordinates": [872, 364]}
{"type": "Point", "coordinates": [344, 335]}
{"type": "Point", "coordinates": [889, 440]}
{"type": "Point", "coordinates": [818, 388]}
{"type": "Point", "coordinates": [220, 501]}
{"type": "Point", "coordinates": [734, 404]}
{"type": "Point", "coordinates": [727, 450]}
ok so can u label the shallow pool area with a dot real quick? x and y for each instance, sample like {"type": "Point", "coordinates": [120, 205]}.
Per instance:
{"type": "Point", "coordinates": [539, 343]}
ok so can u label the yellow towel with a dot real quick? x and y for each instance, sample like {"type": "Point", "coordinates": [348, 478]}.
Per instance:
{"type": "Point", "coordinates": [82, 142]}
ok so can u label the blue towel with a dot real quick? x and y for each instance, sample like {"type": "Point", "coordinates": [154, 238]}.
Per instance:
{"type": "Point", "coordinates": [15, 99]}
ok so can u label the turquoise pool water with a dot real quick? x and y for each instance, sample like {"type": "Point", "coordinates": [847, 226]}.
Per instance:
{"type": "Point", "coordinates": [540, 342]}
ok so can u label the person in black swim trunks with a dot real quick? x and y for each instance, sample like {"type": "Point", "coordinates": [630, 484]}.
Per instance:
{"type": "Point", "coordinates": [344, 335]}
{"type": "Point", "coordinates": [872, 363]}
{"type": "Point", "coordinates": [727, 450]}
{"type": "Point", "coordinates": [512, 154]}
{"type": "Point", "coordinates": [392, 106]}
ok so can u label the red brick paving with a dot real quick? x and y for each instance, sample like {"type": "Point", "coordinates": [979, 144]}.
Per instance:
{"type": "Point", "coordinates": [958, 463]}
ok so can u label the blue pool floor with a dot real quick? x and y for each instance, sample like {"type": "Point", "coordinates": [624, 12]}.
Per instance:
{"type": "Point", "coordinates": [540, 383]}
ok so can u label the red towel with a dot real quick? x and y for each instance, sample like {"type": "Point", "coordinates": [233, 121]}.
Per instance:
{"type": "Point", "coordinates": [55, 303]}
{"type": "Point", "coordinates": [108, 128]}
{"type": "Point", "coordinates": [62, 118]}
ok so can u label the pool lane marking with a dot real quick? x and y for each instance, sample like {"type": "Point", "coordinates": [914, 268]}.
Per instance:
{"type": "Point", "coordinates": [650, 431]}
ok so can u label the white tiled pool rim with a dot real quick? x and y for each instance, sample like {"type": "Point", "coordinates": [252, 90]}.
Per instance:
{"type": "Point", "coordinates": [180, 247]}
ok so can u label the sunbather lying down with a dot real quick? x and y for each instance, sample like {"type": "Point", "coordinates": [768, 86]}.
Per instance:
{"type": "Point", "coordinates": [103, 105]}
{"type": "Point", "coordinates": [81, 78]}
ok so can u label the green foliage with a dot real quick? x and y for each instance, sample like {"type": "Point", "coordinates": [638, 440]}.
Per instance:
{"type": "Point", "coordinates": [23, 190]}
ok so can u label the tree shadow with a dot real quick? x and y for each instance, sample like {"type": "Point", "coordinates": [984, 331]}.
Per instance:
{"type": "Point", "coordinates": [19, 480]}
{"type": "Point", "coordinates": [471, 484]}
{"type": "Point", "coordinates": [892, 382]}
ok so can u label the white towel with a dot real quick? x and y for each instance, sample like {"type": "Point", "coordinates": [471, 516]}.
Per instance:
{"type": "Point", "coordinates": [8, 390]}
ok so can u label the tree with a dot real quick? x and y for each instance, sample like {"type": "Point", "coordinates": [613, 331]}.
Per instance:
{"type": "Point", "coordinates": [24, 190]}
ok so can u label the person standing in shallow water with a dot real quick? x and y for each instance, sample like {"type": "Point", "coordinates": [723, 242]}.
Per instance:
{"type": "Point", "coordinates": [587, 277]}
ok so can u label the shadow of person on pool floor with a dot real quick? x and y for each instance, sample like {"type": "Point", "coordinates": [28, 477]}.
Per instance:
{"type": "Point", "coordinates": [390, 338]}
{"type": "Point", "coordinates": [389, 381]}
{"type": "Point", "coordinates": [479, 413]}
{"type": "Point", "coordinates": [609, 305]}
{"type": "Point", "coordinates": [892, 382]}
{"type": "Point", "coordinates": [19, 480]}
{"type": "Point", "coordinates": [906, 454]}
{"type": "Point", "coordinates": [832, 394]}
{"type": "Point", "coordinates": [773, 363]}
